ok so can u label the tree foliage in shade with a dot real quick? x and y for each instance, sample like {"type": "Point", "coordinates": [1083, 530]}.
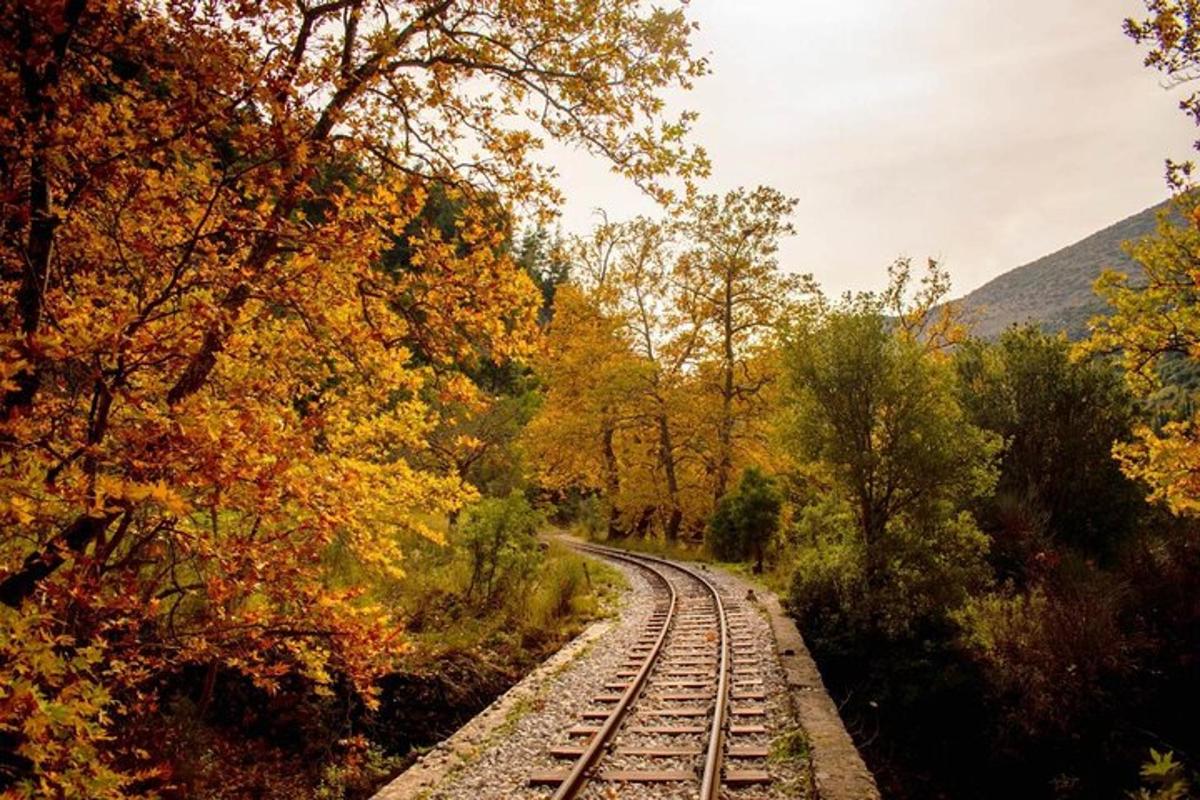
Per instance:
{"type": "Point", "coordinates": [545, 259]}
{"type": "Point", "coordinates": [1059, 418]}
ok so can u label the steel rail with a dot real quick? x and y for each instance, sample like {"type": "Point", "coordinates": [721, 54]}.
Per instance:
{"type": "Point", "coordinates": [578, 777]}
{"type": "Point", "coordinates": [710, 784]}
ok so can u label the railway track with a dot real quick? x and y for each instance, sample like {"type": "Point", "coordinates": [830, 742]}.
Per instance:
{"type": "Point", "coordinates": [683, 712]}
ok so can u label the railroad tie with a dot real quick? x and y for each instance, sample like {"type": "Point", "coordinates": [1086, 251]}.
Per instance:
{"type": "Point", "coordinates": [687, 659]}
{"type": "Point", "coordinates": [738, 778]}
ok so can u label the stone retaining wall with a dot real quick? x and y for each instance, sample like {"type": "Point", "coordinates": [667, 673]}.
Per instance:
{"type": "Point", "coordinates": [839, 770]}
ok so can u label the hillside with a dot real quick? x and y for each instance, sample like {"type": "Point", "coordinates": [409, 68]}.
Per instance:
{"type": "Point", "coordinates": [1056, 290]}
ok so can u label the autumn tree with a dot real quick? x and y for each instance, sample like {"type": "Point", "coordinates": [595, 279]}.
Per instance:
{"type": "Point", "coordinates": [210, 372]}
{"type": "Point", "coordinates": [734, 284]}
{"type": "Point", "coordinates": [588, 372]}
{"type": "Point", "coordinates": [691, 305]}
{"type": "Point", "coordinates": [480, 400]}
{"type": "Point", "coordinates": [665, 335]}
{"type": "Point", "coordinates": [621, 300]}
{"type": "Point", "coordinates": [1155, 323]}
{"type": "Point", "coordinates": [1171, 34]}
{"type": "Point", "coordinates": [626, 275]}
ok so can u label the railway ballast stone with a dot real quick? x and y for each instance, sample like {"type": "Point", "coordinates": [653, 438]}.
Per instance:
{"type": "Point", "coordinates": [462, 747]}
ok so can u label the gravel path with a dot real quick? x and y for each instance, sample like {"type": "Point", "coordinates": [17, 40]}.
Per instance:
{"type": "Point", "coordinates": [502, 766]}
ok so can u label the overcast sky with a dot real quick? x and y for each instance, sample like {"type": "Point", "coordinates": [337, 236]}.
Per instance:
{"type": "Point", "coordinates": [980, 132]}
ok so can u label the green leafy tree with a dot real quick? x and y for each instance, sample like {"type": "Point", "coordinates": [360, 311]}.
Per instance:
{"type": "Point", "coordinates": [500, 537]}
{"type": "Point", "coordinates": [724, 531]}
{"type": "Point", "coordinates": [882, 414]}
{"type": "Point", "coordinates": [544, 258]}
{"type": "Point", "coordinates": [1058, 418]}
{"type": "Point", "coordinates": [872, 417]}
{"type": "Point", "coordinates": [746, 519]}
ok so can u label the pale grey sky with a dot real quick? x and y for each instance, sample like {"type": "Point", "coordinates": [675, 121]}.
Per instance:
{"type": "Point", "coordinates": [985, 133]}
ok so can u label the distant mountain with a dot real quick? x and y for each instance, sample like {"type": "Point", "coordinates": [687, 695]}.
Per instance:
{"type": "Point", "coordinates": [1056, 290]}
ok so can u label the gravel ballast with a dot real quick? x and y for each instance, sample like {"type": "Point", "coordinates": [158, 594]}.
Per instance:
{"type": "Point", "coordinates": [494, 755]}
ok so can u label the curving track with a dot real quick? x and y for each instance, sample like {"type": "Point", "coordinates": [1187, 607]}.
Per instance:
{"type": "Point", "coordinates": [679, 703]}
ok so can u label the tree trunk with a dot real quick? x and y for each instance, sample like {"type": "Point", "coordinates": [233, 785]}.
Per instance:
{"type": "Point", "coordinates": [612, 481]}
{"type": "Point", "coordinates": [873, 523]}
{"type": "Point", "coordinates": [18, 586]}
{"type": "Point", "coordinates": [202, 362]}
{"type": "Point", "coordinates": [76, 537]}
{"type": "Point", "coordinates": [643, 524]}
{"type": "Point", "coordinates": [39, 78]}
{"type": "Point", "coordinates": [666, 455]}
{"type": "Point", "coordinates": [725, 424]}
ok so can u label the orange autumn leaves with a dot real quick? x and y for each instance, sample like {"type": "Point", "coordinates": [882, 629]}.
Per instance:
{"type": "Point", "coordinates": [662, 361]}
{"type": "Point", "coordinates": [208, 377]}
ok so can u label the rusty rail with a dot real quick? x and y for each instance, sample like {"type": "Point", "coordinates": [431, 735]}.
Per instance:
{"type": "Point", "coordinates": [578, 776]}
{"type": "Point", "coordinates": [710, 785]}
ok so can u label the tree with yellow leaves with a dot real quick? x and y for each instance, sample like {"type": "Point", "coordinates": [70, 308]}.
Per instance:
{"type": "Point", "coordinates": [734, 283]}
{"type": "Point", "coordinates": [211, 370]}
{"type": "Point", "coordinates": [589, 374]}
{"type": "Point", "coordinates": [1154, 329]}
{"type": "Point", "coordinates": [1171, 32]}
{"type": "Point", "coordinates": [680, 320]}
{"type": "Point", "coordinates": [1155, 324]}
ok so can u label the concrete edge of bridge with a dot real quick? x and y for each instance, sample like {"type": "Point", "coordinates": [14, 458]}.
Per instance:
{"type": "Point", "coordinates": [838, 768]}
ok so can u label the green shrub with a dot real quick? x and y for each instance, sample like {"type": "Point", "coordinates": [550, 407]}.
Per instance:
{"type": "Point", "coordinates": [358, 772]}
{"type": "Point", "coordinates": [746, 519]}
{"type": "Point", "coordinates": [828, 585]}
{"type": "Point", "coordinates": [559, 588]}
{"type": "Point", "coordinates": [725, 532]}
{"type": "Point", "coordinates": [499, 536]}
{"type": "Point", "coordinates": [563, 588]}
{"type": "Point", "coordinates": [792, 745]}
{"type": "Point", "coordinates": [827, 576]}
{"type": "Point", "coordinates": [921, 571]}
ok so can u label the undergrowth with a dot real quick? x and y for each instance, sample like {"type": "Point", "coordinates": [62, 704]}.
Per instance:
{"type": "Point", "coordinates": [480, 611]}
